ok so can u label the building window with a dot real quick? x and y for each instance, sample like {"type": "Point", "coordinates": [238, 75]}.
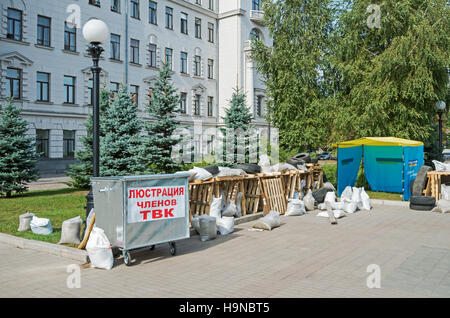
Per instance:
{"type": "Point", "coordinates": [70, 38]}
{"type": "Point", "coordinates": [43, 31]}
{"type": "Point", "coordinates": [14, 24]}
{"type": "Point", "coordinates": [152, 51]}
{"type": "Point", "coordinates": [198, 28]}
{"type": "Point", "coordinates": [211, 32]}
{"type": "Point", "coordinates": [184, 23]}
{"type": "Point", "coordinates": [115, 6]}
{"type": "Point", "coordinates": [169, 54]}
{"type": "Point", "coordinates": [197, 105]}
{"type": "Point", "coordinates": [114, 88]}
{"type": "Point", "coordinates": [69, 90]}
{"type": "Point", "coordinates": [95, 3]}
{"type": "Point", "coordinates": [135, 9]}
{"type": "Point", "coordinates": [183, 62]}
{"type": "Point", "coordinates": [115, 47]}
{"type": "Point", "coordinates": [134, 90]}
{"type": "Point", "coordinates": [42, 145]}
{"type": "Point", "coordinates": [43, 87]}
{"type": "Point", "coordinates": [259, 106]}
{"type": "Point", "coordinates": [197, 64]}
{"type": "Point", "coordinates": [211, 5]}
{"type": "Point", "coordinates": [199, 2]}
{"type": "Point", "coordinates": [14, 83]}
{"type": "Point", "coordinates": [152, 6]}
{"type": "Point", "coordinates": [210, 69]}
{"type": "Point", "coordinates": [169, 18]}
{"type": "Point", "coordinates": [254, 35]}
{"type": "Point", "coordinates": [134, 47]}
{"type": "Point", "coordinates": [183, 97]}
{"type": "Point", "coordinates": [256, 5]}
{"type": "Point", "coordinates": [210, 105]}
{"type": "Point", "coordinates": [68, 143]}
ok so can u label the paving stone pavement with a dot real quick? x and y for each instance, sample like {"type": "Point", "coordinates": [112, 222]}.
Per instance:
{"type": "Point", "coordinates": [304, 257]}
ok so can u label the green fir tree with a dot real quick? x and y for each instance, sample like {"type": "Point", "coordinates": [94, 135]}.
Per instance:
{"type": "Point", "coordinates": [121, 142]}
{"type": "Point", "coordinates": [17, 152]}
{"type": "Point", "coordinates": [163, 105]}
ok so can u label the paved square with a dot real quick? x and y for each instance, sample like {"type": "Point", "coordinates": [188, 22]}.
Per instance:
{"type": "Point", "coordinates": [304, 257]}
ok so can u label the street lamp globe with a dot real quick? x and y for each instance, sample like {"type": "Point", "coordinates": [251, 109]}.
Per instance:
{"type": "Point", "coordinates": [95, 31]}
{"type": "Point", "coordinates": [440, 106]}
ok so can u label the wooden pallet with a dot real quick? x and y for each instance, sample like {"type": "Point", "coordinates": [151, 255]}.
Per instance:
{"type": "Point", "coordinates": [290, 181]}
{"type": "Point", "coordinates": [273, 189]}
{"type": "Point", "coordinates": [316, 172]}
{"type": "Point", "coordinates": [229, 187]}
{"type": "Point", "coordinates": [200, 196]}
{"type": "Point", "coordinates": [252, 193]}
{"type": "Point", "coordinates": [435, 180]}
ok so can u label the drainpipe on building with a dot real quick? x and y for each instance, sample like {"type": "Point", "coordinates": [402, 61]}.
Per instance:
{"type": "Point", "coordinates": [126, 42]}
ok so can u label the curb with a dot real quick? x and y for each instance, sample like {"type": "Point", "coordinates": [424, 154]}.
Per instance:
{"type": "Point", "coordinates": [390, 202]}
{"type": "Point", "coordinates": [54, 249]}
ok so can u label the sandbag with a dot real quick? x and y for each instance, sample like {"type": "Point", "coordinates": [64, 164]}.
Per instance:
{"type": "Point", "coordinates": [347, 194]}
{"type": "Point", "coordinates": [330, 197]}
{"type": "Point", "coordinates": [225, 225]}
{"type": "Point", "coordinates": [70, 232]}
{"type": "Point", "coordinates": [269, 222]}
{"type": "Point", "coordinates": [264, 163]}
{"type": "Point", "coordinates": [230, 172]}
{"type": "Point", "coordinates": [337, 205]}
{"type": "Point", "coordinates": [230, 209]}
{"type": "Point", "coordinates": [99, 249]}
{"type": "Point", "coordinates": [309, 201]}
{"type": "Point", "coordinates": [216, 207]}
{"type": "Point", "coordinates": [24, 222]}
{"type": "Point", "coordinates": [280, 167]}
{"type": "Point", "coordinates": [329, 185]}
{"type": "Point", "coordinates": [195, 222]}
{"type": "Point", "coordinates": [442, 206]}
{"type": "Point", "coordinates": [350, 207]}
{"type": "Point", "coordinates": [440, 166]}
{"type": "Point", "coordinates": [239, 205]}
{"type": "Point", "coordinates": [191, 174]}
{"type": "Point", "coordinates": [41, 226]}
{"type": "Point", "coordinates": [295, 207]}
{"type": "Point", "coordinates": [208, 228]}
{"type": "Point", "coordinates": [445, 192]}
{"type": "Point", "coordinates": [365, 200]}
{"type": "Point", "coordinates": [356, 196]}
{"type": "Point", "coordinates": [322, 206]}
{"type": "Point", "coordinates": [201, 174]}
{"type": "Point", "coordinates": [337, 214]}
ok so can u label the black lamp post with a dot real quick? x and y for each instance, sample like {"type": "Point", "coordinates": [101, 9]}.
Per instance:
{"type": "Point", "coordinates": [440, 107]}
{"type": "Point", "coordinates": [95, 32]}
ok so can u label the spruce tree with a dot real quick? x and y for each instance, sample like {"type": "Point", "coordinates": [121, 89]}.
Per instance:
{"type": "Point", "coordinates": [81, 173]}
{"type": "Point", "coordinates": [17, 152]}
{"type": "Point", "coordinates": [163, 105]}
{"type": "Point", "coordinates": [120, 143]}
{"type": "Point", "coordinates": [237, 119]}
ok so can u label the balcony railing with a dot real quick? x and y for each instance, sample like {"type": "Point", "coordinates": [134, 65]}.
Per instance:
{"type": "Point", "coordinates": [257, 16]}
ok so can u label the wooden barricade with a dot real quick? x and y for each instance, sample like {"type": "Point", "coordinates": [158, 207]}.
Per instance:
{"type": "Point", "coordinates": [273, 189]}
{"type": "Point", "coordinates": [252, 193]}
{"type": "Point", "coordinates": [230, 187]}
{"type": "Point", "coordinates": [200, 196]}
{"type": "Point", "coordinates": [292, 182]}
{"type": "Point", "coordinates": [316, 171]}
{"type": "Point", "coordinates": [435, 180]}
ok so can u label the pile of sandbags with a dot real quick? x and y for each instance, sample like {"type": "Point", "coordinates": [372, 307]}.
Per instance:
{"type": "Point", "coordinates": [224, 213]}
{"type": "Point", "coordinates": [352, 200]}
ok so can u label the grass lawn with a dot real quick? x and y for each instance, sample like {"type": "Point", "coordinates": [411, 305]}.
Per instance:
{"type": "Point", "coordinates": [385, 195]}
{"type": "Point", "coordinates": [56, 205]}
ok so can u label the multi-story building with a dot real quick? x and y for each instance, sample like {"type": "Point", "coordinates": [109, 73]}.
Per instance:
{"type": "Point", "coordinates": [45, 67]}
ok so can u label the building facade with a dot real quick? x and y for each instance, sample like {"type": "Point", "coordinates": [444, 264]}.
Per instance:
{"type": "Point", "coordinates": [45, 67]}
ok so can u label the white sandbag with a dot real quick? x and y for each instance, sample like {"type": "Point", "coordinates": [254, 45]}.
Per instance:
{"type": "Point", "coordinates": [350, 207]}
{"type": "Point", "coordinates": [208, 228]}
{"type": "Point", "coordinates": [302, 167]}
{"type": "Point", "coordinates": [442, 206]}
{"type": "Point", "coordinates": [309, 201]}
{"type": "Point", "coordinates": [201, 174]}
{"type": "Point", "coordinates": [337, 214]}
{"type": "Point", "coordinates": [280, 167]}
{"type": "Point", "coordinates": [24, 222]}
{"type": "Point", "coordinates": [356, 196]}
{"type": "Point", "coordinates": [195, 222]}
{"type": "Point", "coordinates": [269, 222]}
{"type": "Point", "coordinates": [216, 207]}
{"type": "Point", "coordinates": [337, 205]}
{"type": "Point", "coordinates": [322, 206]}
{"type": "Point", "coordinates": [295, 207]}
{"type": "Point", "coordinates": [230, 172]}
{"type": "Point", "coordinates": [264, 163]}
{"type": "Point", "coordinates": [191, 174]}
{"type": "Point", "coordinates": [365, 201]}
{"type": "Point", "coordinates": [70, 231]}
{"type": "Point", "coordinates": [329, 185]}
{"type": "Point", "coordinates": [41, 226]}
{"type": "Point", "coordinates": [239, 205]}
{"type": "Point", "coordinates": [440, 166]}
{"type": "Point", "coordinates": [225, 225]}
{"type": "Point", "coordinates": [347, 194]}
{"type": "Point", "coordinates": [230, 209]}
{"type": "Point", "coordinates": [330, 197]}
{"type": "Point", "coordinates": [99, 249]}
{"type": "Point", "coordinates": [445, 192]}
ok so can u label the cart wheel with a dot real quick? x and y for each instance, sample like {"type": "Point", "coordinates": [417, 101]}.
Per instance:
{"type": "Point", "coordinates": [126, 258]}
{"type": "Point", "coordinates": [152, 247]}
{"type": "Point", "coordinates": [173, 249]}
